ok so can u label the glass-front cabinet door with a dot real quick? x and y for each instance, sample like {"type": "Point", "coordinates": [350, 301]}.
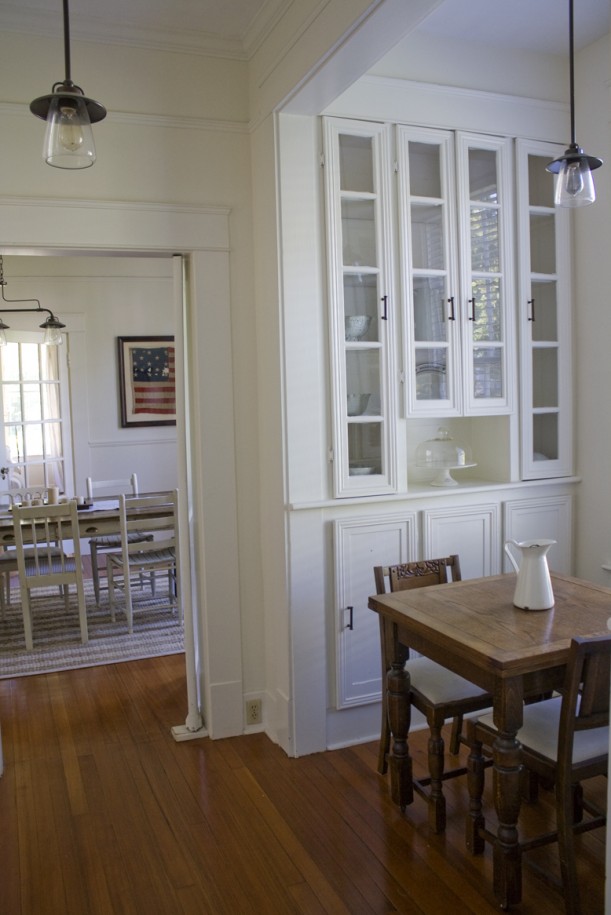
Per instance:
{"type": "Point", "coordinates": [485, 217]}
{"type": "Point", "coordinates": [362, 307]}
{"type": "Point", "coordinates": [455, 206]}
{"type": "Point", "coordinates": [430, 280]}
{"type": "Point", "coordinates": [545, 317]}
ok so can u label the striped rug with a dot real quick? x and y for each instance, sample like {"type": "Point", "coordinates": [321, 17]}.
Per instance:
{"type": "Point", "coordinates": [57, 644]}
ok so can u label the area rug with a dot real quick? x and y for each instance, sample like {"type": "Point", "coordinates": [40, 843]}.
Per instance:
{"type": "Point", "coordinates": [57, 640]}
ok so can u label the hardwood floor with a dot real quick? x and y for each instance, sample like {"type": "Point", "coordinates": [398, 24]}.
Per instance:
{"type": "Point", "coordinates": [102, 812]}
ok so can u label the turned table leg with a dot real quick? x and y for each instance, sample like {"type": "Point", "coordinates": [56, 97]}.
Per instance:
{"type": "Point", "coordinates": [400, 764]}
{"type": "Point", "coordinates": [507, 796]}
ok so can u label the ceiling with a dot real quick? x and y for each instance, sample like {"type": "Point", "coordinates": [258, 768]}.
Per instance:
{"type": "Point", "coordinates": [234, 27]}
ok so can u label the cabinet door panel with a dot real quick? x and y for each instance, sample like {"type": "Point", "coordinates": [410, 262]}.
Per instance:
{"type": "Point", "coordinates": [359, 545]}
{"type": "Point", "coordinates": [549, 518]}
{"type": "Point", "coordinates": [470, 531]}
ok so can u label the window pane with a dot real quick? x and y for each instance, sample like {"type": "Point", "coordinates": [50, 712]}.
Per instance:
{"type": "Point", "coordinates": [30, 364]}
{"type": "Point", "coordinates": [485, 240]}
{"type": "Point", "coordinates": [10, 361]}
{"type": "Point", "coordinates": [488, 372]}
{"type": "Point", "coordinates": [49, 364]}
{"type": "Point", "coordinates": [50, 401]}
{"type": "Point", "coordinates": [33, 441]}
{"type": "Point", "coordinates": [11, 395]}
{"type": "Point", "coordinates": [32, 408]}
{"type": "Point", "coordinates": [486, 308]}
{"type": "Point", "coordinates": [13, 438]}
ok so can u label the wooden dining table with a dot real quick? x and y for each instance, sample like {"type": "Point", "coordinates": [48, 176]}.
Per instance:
{"type": "Point", "coordinates": [98, 518]}
{"type": "Point", "coordinates": [472, 628]}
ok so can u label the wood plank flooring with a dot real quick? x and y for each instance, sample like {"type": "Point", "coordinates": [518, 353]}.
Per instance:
{"type": "Point", "coordinates": [102, 812]}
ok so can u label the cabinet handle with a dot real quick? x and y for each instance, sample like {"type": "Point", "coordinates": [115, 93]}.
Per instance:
{"type": "Point", "coordinates": [531, 315]}
{"type": "Point", "coordinates": [384, 299]}
{"type": "Point", "coordinates": [351, 621]}
{"type": "Point", "coordinates": [452, 315]}
{"type": "Point", "coordinates": [472, 304]}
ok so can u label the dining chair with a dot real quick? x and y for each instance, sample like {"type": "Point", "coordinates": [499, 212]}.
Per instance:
{"type": "Point", "coordinates": [144, 557]}
{"type": "Point", "coordinates": [106, 542]}
{"type": "Point", "coordinates": [565, 741]}
{"type": "Point", "coordinates": [39, 532]}
{"type": "Point", "coordinates": [438, 693]}
{"type": "Point", "coordinates": [8, 557]}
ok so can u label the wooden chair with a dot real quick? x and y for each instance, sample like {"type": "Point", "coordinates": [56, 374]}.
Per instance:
{"type": "Point", "coordinates": [144, 557]}
{"type": "Point", "coordinates": [435, 691]}
{"type": "Point", "coordinates": [565, 740]}
{"type": "Point", "coordinates": [103, 543]}
{"type": "Point", "coordinates": [8, 558]}
{"type": "Point", "coordinates": [41, 564]}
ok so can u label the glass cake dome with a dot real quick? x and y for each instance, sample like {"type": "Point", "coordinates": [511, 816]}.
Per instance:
{"type": "Point", "coordinates": [442, 455]}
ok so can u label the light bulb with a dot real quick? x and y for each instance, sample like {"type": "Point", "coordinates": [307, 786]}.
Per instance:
{"type": "Point", "coordinates": [70, 135]}
{"type": "Point", "coordinates": [574, 184]}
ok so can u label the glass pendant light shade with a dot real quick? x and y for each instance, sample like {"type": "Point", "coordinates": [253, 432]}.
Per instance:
{"type": "Point", "coordinates": [53, 331]}
{"type": "Point", "coordinates": [68, 139]}
{"type": "Point", "coordinates": [574, 182]}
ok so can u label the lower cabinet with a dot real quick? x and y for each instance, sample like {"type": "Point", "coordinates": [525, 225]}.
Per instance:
{"type": "Point", "coordinates": [360, 544]}
{"type": "Point", "coordinates": [476, 531]}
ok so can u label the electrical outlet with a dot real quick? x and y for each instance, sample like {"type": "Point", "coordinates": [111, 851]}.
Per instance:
{"type": "Point", "coordinates": [253, 711]}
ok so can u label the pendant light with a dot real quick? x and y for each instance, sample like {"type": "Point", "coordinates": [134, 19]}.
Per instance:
{"type": "Point", "coordinates": [69, 115]}
{"type": "Point", "coordinates": [574, 183]}
{"type": "Point", "coordinates": [52, 326]}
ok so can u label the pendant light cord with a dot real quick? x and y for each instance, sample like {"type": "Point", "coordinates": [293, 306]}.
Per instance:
{"type": "Point", "coordinates": [571, 72]}
{"type": "Point", "coordinates": [67, 41]}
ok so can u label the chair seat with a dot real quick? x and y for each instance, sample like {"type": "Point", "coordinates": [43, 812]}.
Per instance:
{"type": "Point", "coordinates": [440, 685]}
{"type": "Point", "coordinates": [55, 567]}
{"type": "Point", "coordinates": [113, 541]}
{"type": "Point", "coordinates": [540, 732]}
{"type": "Point", "coordinates": [145, 560]}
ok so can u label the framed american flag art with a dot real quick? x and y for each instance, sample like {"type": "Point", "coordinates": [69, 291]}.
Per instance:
{"type": "Point", "coordinates": [147, 381]}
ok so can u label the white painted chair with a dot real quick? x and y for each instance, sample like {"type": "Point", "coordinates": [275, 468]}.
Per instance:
{"type": "Point", "coordinates": [8, 558]}
{"type": "Point", "coordinates": [107, 542]}
{"type": "Point", "coordinates": [38, 531]}
{"type": "Point", "coordinates": [144, 557]}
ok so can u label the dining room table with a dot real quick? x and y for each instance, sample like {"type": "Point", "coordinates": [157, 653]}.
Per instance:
{"type": "Point", "coordinates": [98, 517]}
{"type": "Point", "coordinates": [472, 628]}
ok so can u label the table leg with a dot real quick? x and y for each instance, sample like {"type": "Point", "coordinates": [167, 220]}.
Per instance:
{"type": "Point", "coordinates": [507, 861]}
{"type": "Point", "coordinates": [399, 711]}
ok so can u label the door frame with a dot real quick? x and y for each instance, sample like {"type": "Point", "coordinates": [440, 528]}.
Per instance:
{"type": "Point", "coordinates": [200, 238]}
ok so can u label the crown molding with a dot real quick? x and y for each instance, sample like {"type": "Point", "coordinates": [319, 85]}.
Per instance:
{"type": "Point", "coordinates": [16, 18]}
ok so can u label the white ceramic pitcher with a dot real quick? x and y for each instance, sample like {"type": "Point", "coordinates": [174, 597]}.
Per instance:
{"type": "Point", "coordinates": [534, 586]}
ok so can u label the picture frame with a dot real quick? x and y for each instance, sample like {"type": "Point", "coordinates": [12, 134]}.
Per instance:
{"type": "Point", "coordinates": [147, 381]}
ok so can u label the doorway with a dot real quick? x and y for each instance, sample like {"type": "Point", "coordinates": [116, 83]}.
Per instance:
{"type": "Point", "coordinates": [204, 391]}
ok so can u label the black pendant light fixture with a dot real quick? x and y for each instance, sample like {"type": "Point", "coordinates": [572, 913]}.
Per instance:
{"type": "Point", "coordinates": [69, 115]}
{"type": "Point", "coordinates": [52, 326]}
{"type": "Point", "coordinates": [574, 183]}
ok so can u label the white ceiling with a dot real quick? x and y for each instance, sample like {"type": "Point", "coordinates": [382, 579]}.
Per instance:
{"type": "Point", "coordinates": [236, 26]}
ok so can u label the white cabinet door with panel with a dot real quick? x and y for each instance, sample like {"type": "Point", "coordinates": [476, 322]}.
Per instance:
{"type": "Point", "coordinates": [549, 518]}
{"type": "Point", "coordinates": [359, 545]}
{"type": "Point", "coordinates": [471, 531]}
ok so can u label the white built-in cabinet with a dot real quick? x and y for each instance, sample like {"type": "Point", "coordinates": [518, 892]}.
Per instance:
{"type": "Point", "coordinates": [455, 194]}
{"type": "Point", "coordinates": [449, 296]}
{"type": "Point", "coordinates": [545, 318]}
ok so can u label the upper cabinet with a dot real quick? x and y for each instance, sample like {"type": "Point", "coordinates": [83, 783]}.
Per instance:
{"type": "Point", "coordinates": [544, 317]}
{"type": "Point", "coordinates": [456, 219]}
{"type": "Point", "coordinates": [427, 290]}
{"type": "Point", "coordinates": [363, 313]}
